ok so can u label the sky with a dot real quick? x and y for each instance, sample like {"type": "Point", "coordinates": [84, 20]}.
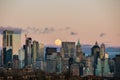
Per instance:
{"type": "Point", "coordinates": [67, 20]}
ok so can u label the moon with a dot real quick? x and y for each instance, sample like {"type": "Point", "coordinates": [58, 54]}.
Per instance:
{"type": "Point", "coordinates": [58, 42]}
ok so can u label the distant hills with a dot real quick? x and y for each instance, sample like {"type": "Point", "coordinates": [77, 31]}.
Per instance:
{"type": "Point", "coordinates": [87, 49]}
{"type": "Point", "coordinates": [113, 49]}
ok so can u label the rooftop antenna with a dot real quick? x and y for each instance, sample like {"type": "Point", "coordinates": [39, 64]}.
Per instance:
{"type": "Point", "coordinates": [26, 35]}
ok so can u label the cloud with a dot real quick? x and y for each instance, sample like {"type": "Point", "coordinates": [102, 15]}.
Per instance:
{"type": "Point", "coordinates": [30, 30]}
{"type": "Point", "coordinates": [63, 29]}
{"type": "Point", "coordinates": [45, 30]}
{"type": "Point", "coordinates": [67, 28]}
{"type": "Point", "coordinates": [73, 33]}
{"type": "Point", "coordinates": [48, 30]}
{"type": "Point", "coordinates": [35, 30]}
{"type": "Point", "coordinates": [16, 30]}
{"type": "Point", "coordinates": [102, 34]}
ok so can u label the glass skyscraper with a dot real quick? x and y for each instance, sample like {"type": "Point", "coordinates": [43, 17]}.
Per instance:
{"type": "Point", "coordinates": [7, 47]}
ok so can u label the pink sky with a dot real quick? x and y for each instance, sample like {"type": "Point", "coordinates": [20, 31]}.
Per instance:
{"type": "Point", "coordinates": [68, 20]}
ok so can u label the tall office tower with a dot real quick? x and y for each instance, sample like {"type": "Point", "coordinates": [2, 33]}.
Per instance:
{"type": "Point", "coordinates": [41, 51]}
{"type": "Point", "coordinates": [35, 52]}
{"type": "Point", "coordinates": [68, 49]}
{"type": "Point", "coordinates": [102, 51]}
{"type": "Point", "coordinates": [102, 65]}
{"type": "Point", "coordinates": [104, 58]}
{"type": "Point", "coordinates": [50, 52]}
{"type": "Point", "coordinates": [40, 57]}
{"type": "Point", "coordinates": [28, 52]}
{"type": "Point", "coordinates": [79, 53]}
{"type": "Point", "coordinates": [16, 43]}
{"type": "Point", "coordinates": [21, 56]}
{"type": "Point", "coordinates": [95, 53]}
{"type": "Point", "coordinates": [7, 48]}
{"type": "Point", "coordinates": [117, 66]}
{"type": "Point", "coordinates": [95, 50]}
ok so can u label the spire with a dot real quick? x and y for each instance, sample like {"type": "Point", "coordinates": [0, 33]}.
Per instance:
{"type": "Point", "coordinates": [26, 35]}
{"type": "Point", "coordinates": [78, 43]}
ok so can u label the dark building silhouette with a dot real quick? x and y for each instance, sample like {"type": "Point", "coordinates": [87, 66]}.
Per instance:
{"type": "Point", "coordinates": [50, 51]}
{"type": "Point", "coordinates": [95, 53]}
{"type": "Point", "coordinates": [117, 66]}
{"type": "Point", "coordinates": [28, 51]}
{"type": "Point", "coordinates": [81, 65]}
{"type": "Point", "coordinates": [7, 57]}
{"type": "Point", "coordinates": [7, 47]}
{"type": "Point", "coordinates": [111, 65]}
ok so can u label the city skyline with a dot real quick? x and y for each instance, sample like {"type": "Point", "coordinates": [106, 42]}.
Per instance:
{"type": "Point", "coordinates": [59, 39]}
{"type": "Point", "coordinates": [70, 59]}
{"type": "Point", "coordinates": [46, 21]}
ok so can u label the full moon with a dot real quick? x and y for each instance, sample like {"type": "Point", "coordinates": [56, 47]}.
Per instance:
{"type": "Point", "coordinates": [58, 42]}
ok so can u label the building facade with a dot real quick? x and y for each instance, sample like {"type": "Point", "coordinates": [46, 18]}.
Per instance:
{"type": "Point", "coordinates": [50, 52]}
{"type": "Point", "coordinates": [68, 49]}
{"type": "Point", "coordinates": [7, 55]}
{"type": "Point", "coordinates": [117, 66]}
{"type": "Point", "coordinates": [95, 54]}
{"type": "Point", "coordinates": [41, 50]}
{"type": "Point", "coordinates": [79, 53]}
{"type": "Point", "coordinates": [21, 57]}
{"type": "Point", "coordinates": [35, 52]}
{"type": "Point", "coordinates": [28, 52]}
{"type": "Point", "coordinates": [102, 68]}
{"type": "Point", "coordinates": [16, 43]}
{"type": "Point", "coordinates": [15, 62]}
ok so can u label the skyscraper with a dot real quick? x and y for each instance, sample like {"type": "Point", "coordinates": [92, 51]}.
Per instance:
{"type": "Point", "coordinates": [35, 52]}
{"type": "Point", "coordinates": [95, 50]}
{"type": "Point", "coordinates": [41, 50]}
{"type": "Point", "coordinates": [102, 51]}
{"type": "Point", "coordinates": [28, 52]}
{"type": "Point", "coordinates": [102, 68]}
{"type": "Point", "coordinates": [21, 56]}
{"type": "Point", "coordinates": [117, 66]}
{"type": "Point", "coordinates": [7, 47]}
{"type": "Point", "coordinates": [16, 43]}
{"type": "Point", "coordinates": [95, 53]}
{"type": "Point", "coordinates": [68, 49]}
{"type": "Point", "coordinates": [79, 53]}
